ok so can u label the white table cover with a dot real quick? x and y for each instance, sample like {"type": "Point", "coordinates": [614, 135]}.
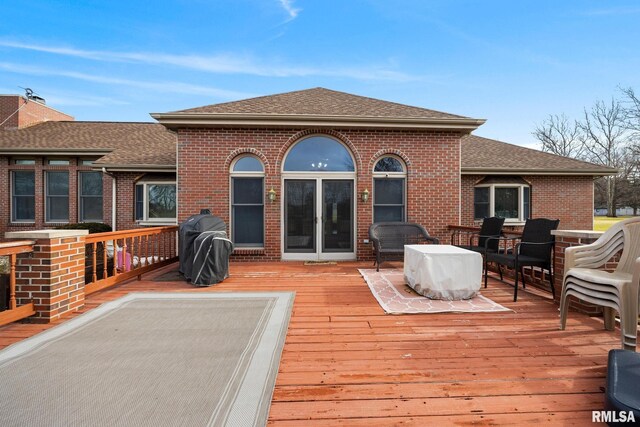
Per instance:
{"type": "Point", "coordinates": [442, 271]}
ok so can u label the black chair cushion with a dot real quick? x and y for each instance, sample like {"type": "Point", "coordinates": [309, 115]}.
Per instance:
{"type": "Point", "coordinates": [510, 260]}
{"type": "Point", "coordinates": [623, 382]}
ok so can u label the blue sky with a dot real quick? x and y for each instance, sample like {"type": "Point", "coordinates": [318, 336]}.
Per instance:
{"type": "Point", "coordinates": [510, 62]}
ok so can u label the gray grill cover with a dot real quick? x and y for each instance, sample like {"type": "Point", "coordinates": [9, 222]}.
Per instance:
{"type": "Point", "coordinates": [188, 231]}
{"type": "Point", "coordinates": [211, 258]}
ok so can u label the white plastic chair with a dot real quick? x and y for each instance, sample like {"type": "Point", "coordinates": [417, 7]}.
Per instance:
{"type": "Point", "coordinates": [615, 291]}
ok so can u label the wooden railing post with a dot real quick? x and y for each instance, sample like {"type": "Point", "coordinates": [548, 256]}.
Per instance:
{"type": "Point", "coordinates": [12, 282]}
{"type": "Point", "coordinates": [54, 276]}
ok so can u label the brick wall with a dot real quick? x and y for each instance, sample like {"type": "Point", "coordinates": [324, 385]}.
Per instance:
{"type": "Point", "coordinates": [40, 167]}
{"type": "Point", "coordinates": [53, 276]}
{"type": "Point", "coordinates": [432, 158]}
{"type": "Point", "coordinates": [568, 198]}
{"type": "Point", "coordinates": [26, 113]}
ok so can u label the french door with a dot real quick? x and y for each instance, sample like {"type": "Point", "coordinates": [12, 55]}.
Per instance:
{"type": "Point", "coordinates": [318, 220]}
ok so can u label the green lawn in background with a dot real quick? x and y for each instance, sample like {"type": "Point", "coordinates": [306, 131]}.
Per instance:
{"type": "Point", "coordinates": [602, 223]}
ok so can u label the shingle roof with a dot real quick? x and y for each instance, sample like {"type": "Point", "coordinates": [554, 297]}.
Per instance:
{"type": "Point", "coordinates": [321, 102]}
{"type": "Point", "coordinates": [122, 143]}
{"type": "Point", "coordinates": [489, 155]}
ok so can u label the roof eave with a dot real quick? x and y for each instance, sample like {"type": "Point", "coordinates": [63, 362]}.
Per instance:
{"type": "Point", "coordinates": [122, 167]}
{"type": "Point", "coordinates": [178, 120]}
{"type": "Point", "coordinates": [524, 171]}
{"type": "Point", "coordinates": [55, 151]}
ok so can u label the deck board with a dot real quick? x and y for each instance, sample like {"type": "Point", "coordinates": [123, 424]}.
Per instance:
{"type": "Point", "coordinates": [345, 362]}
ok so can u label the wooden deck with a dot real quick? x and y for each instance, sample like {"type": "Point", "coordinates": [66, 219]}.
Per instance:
{"type": "Point", "coordinates": [347, 363]}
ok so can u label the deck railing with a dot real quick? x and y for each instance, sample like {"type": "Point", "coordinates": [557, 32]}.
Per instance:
{"type": "Point", "coordinates": [15, 312]}
{"type": "Point", "coordinates": [117, 256]}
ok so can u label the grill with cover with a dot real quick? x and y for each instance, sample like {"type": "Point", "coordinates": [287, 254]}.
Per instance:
{"type": "Point", "coordinates": [204, 249]}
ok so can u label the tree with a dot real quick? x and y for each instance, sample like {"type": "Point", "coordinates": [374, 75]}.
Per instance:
{"type": "Point", "coordinates": [605, 139]}
{"type": "Point", "coordinates": [558, 135]}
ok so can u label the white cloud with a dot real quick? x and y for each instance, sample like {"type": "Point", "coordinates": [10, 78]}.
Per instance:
{"type": "Point", "coordinates": [224, 63]}
{"type": "Point", "coordinates": [287, 5]}
{"type": "Point", "coordinates": [163, 86]}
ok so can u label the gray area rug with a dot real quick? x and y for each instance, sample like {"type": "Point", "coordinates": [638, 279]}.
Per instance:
{"type": "Point", "coordinates": [151, 359]}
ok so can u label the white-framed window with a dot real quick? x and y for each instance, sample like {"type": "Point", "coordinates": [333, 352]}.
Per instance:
{"type": "Point", "coordinates": [389, 190]}
{"type": "Point", "coordinates": [56, 204]}
{"type": "Point", "coordinates": [58, 162]}
{"type": "Point", "coordinates": [511, 201]}
{"type": "Point", "coordinates": [23, 196]}
{"type": "Point", "coordinates": [247, 202]}
{"type": "Point", "coordinates": [90, 197]}
{"type": "Point", "coordinates": [155, 202]}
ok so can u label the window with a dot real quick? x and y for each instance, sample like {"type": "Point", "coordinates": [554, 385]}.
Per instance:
{"type": "Point", "coordinates": [23, 200]}
{"type": "Point", "coordinates": [499, 197]}
{"type": "Point", "coordinates": [155, 202]}
{"type": "Point", "coordinates": [90, 196]}
{"type": "Point", "coordinates": [319, 154]}
{"type": "Point", "coordinates": [389, 182]}
{"type": "Point", "coordinates": [59, 162]}
{"type": "Point", "coordinates": [247, 202]}
{"type": "Point", "coordinates": [25, 162]}
{"type": "Point", "coordinates": [57, 196]}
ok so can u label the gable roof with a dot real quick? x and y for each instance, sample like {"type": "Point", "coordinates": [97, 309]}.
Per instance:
{"type": "Point", "coordinates": [123, 145]}
{"type": "Point", "coordinates": [316, 107]}
{"type": "Point", "coordinates": [489, 156]}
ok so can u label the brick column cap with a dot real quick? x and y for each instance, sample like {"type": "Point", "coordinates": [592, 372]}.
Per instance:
{"type": "Point", "coordinates": [45, 234]}
{"type": "Point", "coordinates": [578, 234]}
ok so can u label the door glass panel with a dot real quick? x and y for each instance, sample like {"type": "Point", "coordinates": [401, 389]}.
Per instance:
{"type": "Point", "coordinates": [300, 215]}
{"type": "Point", "coordinates": [337, 216]}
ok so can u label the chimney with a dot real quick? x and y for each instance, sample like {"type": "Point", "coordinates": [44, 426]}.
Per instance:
{"type": "Point", "coordinates": [17, 112]}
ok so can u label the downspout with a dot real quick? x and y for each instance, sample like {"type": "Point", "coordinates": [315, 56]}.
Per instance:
{"type": "Point", "coordinates": [113, 198]}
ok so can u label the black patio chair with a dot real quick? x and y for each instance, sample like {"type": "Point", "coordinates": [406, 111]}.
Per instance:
{"type": "Point", "coordinates": [535, 249]}
{"type": "Point", "coordinates": [479, 240]}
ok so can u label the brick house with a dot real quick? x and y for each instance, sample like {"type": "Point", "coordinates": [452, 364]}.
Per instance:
{"type": "Point", "coordinates": [55, 171]}
{"type": "Point", "coordinates": [302, 175]}
{"type": "Point", "coordinates": [296, 176]}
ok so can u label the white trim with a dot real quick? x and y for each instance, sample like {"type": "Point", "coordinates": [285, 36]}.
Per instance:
{"type": "Point", "coordinates": [46, 196]}
{"type": "Point", "coordinates": [318, 177]}
{"type": "Point", "coordinates": [247, 174]}
{"type": "Point", "coordinates": [79, 196]}
{"type": "Point", "coordinates": [389, 175]}
{"type": "Point", "coordinates": [509, 221]}
{"type": "Point", "coordinates": [145, 206]}
{"type": "Point", "coordinates": [12, 220]}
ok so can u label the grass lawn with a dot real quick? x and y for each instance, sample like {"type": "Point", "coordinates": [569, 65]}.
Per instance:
{"type": "Point", "coordinates": [602, 223]}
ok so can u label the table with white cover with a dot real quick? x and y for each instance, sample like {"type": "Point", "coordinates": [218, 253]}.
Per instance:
{"type": "Point", "coordinates": [442, 271]}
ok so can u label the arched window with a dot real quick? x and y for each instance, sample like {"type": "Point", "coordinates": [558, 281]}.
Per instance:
{"type": "Point", "coordinates": [247, 202]}
{"type": "Point", "coordinates": [319, 154]}
{"type": "Point", "coordinates": [389, 190]}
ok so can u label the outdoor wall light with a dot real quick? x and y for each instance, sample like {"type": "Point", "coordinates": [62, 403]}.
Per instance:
{"type": "Point", "coordinates": [272, 195]}
{"type": "Point", "coordinates": [365, 195]}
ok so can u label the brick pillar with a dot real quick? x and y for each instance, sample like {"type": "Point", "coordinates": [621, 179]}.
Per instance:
{"type": "Point", "coordinates": [564, 240]}
{"type": "Point", "coordinates": [53, 276]}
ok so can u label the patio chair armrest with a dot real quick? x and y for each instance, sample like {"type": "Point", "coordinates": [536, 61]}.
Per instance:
{"type": "Point", "coordinates": [433, 240]}
{"type": "Point", "coordinates": [593, 255]}
{"type": "Point", "coordinates": [376, 243]}
{"type": "Point", "coordinates": [635, 281]}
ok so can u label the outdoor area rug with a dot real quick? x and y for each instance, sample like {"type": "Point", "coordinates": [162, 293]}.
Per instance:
{"type": "Point", "coordinates": [395, 297]}
{"type": "Point", "coordinates": [151, 359]}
